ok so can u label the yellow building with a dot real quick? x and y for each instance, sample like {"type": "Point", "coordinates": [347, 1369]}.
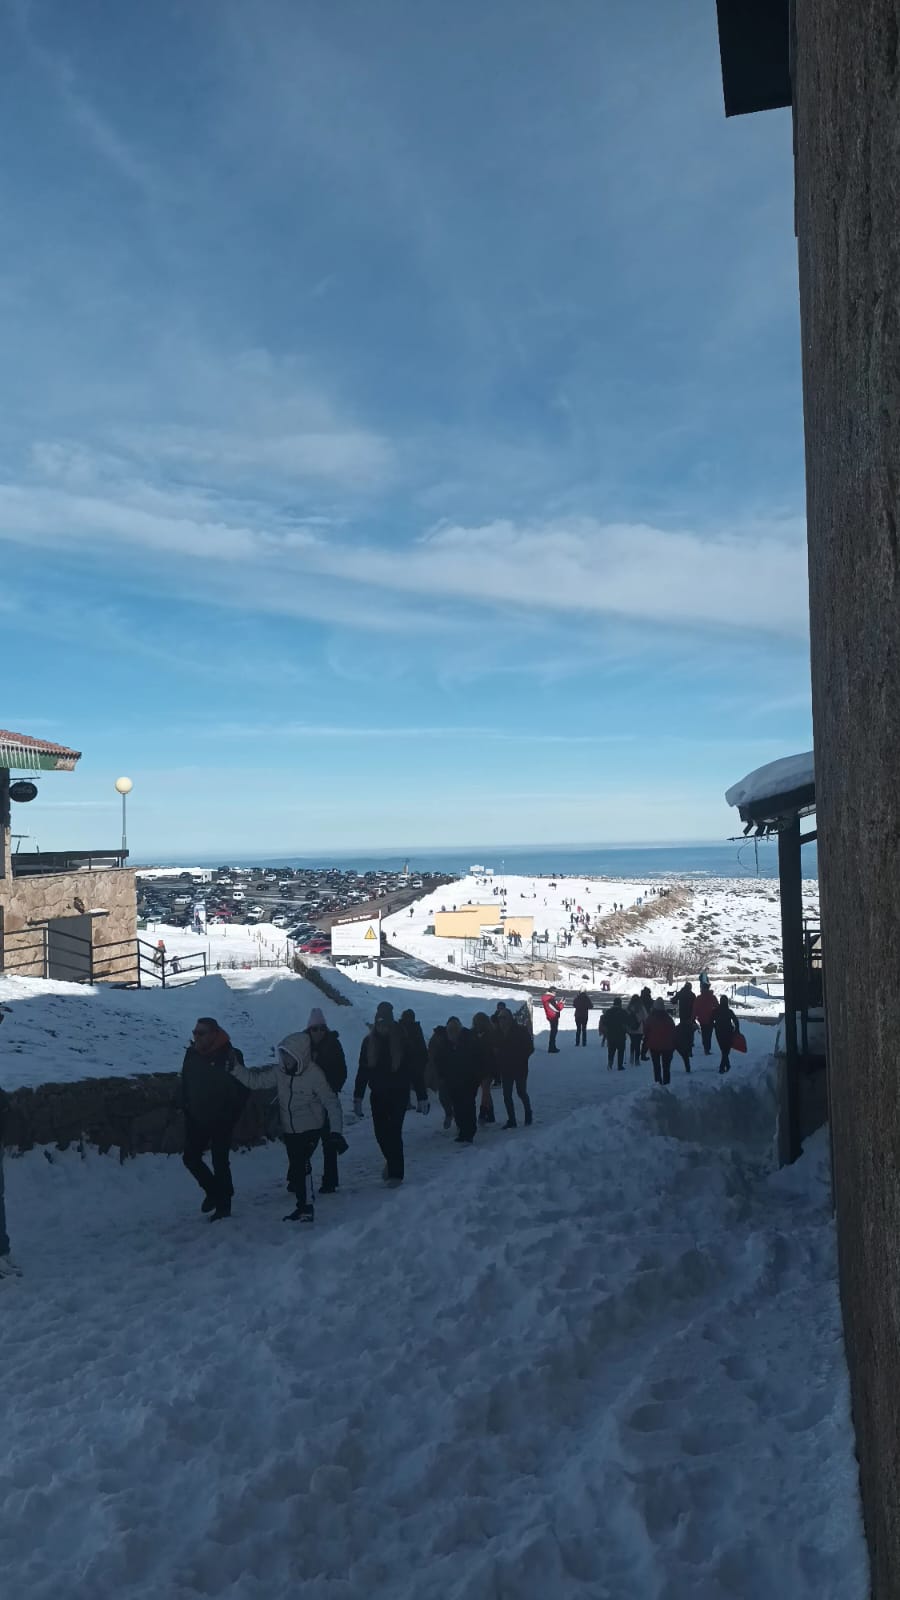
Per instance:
{"type": "Point", "coordinates": [468, 921]}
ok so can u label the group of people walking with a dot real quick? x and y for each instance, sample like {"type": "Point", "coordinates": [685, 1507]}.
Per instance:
{"type": "Point", "coordinates": [647, 1028]}
{"type": "Point", "coordinates": [396, 1069]}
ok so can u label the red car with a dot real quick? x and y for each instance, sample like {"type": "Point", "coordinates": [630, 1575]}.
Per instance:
{"type": "Point", "coordinates": [316, 947]}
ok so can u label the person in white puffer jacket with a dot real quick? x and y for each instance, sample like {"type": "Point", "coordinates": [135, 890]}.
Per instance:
{"type": "Point", "coordinates": [308, 1107]}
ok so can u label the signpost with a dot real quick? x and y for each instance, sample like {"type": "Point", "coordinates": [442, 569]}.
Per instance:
{"type": "Point", "coordinates": [358, 939]}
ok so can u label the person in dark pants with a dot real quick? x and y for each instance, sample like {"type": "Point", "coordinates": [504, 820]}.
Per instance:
{"type": "Point", "coordinates": [387, 1075]}
{"type": "Point", "coordinates": [705, 1007]}
{"type": "Point", "coordinates": [615, 1031]}
{"type": "Point", "coordinates": [463, 1070]}
{"type": "Point", "coordinates": [327, 1052]}
{"type": "Point", "coordinates": [553, 1009]}
{"type": "Point", "coordinates": [726, 1026]}
{"type": "Point", "coordinates": [309, 1109]}
{"type": "Point", "coordinates": [659, 1037]}
{"type": "Point", "coordinates": [583, 1004]}
{"type": "Point", "coordinates": [415, 1048]}
{"type": "Point", "coordinates": [684, 1000]}
{"type": "Point", "coordinates": [634, 1017]}
{"type": "Point", "coordinates": [515, 1048]}
{"type": "Point", "coordinates": [436, 1072]}
{"type": "Point", "coordinates": [212, 1100]}
{"type": "Point", "coordinates": [684, 1042]}
{"type": "Point", "coordinates": [646, 999]}
{"type": "Point", "coordinates": [484, 1039]}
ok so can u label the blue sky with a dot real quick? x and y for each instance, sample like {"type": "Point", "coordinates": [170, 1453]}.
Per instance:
{"type": "Point", "coordinates": [400, 423]}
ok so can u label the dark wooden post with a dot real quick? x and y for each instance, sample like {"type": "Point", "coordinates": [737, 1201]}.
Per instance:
{"type": "Point", "coordinates": [790, 878]}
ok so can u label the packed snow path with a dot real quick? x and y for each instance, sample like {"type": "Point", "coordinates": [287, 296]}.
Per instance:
{"type": "Point", "coordinates": [600, 1357]}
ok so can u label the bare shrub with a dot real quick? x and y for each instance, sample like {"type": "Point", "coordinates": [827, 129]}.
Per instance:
{"type": "Point", "coordinates": [659, 960]}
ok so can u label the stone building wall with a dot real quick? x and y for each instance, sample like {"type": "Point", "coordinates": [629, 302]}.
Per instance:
{"type": "Point", "coordinates": [27, 900]}
{"type": "Point", "coordinates": [847, 134]}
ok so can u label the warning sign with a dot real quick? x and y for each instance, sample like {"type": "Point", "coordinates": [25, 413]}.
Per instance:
{"type": "Point", "coordinates": [355, 939]}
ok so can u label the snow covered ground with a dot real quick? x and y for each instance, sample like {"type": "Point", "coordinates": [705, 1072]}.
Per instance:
{"type": "Point", "coordinates": [224, 944]}
{"type": "Point", "coordinates": [740, 917]}
{"type": "Point", "coordinates": [599, 1357]}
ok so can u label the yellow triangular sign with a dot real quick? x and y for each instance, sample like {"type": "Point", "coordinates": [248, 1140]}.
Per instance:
{"type": "Point", "coordinates": [371, 933]}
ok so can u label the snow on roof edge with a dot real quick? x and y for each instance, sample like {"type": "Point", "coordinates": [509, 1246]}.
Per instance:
{"type": "Point", "coordinates": [777, 777]}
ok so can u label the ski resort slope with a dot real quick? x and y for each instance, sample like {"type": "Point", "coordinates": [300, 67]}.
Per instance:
{"type": "Point", "coordinates": [598, 1357]}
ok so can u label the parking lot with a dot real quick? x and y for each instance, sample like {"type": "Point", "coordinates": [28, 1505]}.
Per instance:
{"type": "Point", "coordinates": [303, 902]}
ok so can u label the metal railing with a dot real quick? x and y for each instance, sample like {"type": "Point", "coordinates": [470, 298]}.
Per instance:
{"type": "Point", "coordinates": [37, 863]}
{"type": "Point", "coordinates": [49, 952]}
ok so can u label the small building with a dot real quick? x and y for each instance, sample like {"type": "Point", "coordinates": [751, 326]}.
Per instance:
{"type": "Point", "coordinates": [67, 914]}
{"type": "Point", "coordinates": [466, 922]}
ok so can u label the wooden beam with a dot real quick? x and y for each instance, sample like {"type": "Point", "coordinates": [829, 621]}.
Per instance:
{"type": "Point", "coordinates": [790, 877]}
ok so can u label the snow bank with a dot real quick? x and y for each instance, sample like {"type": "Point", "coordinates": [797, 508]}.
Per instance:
{"type": "Point", "coordinates": [777, 777]}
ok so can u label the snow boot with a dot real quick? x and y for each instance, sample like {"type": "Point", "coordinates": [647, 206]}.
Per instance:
{"type": "Point", "coordinates": [510, 1124]}
{"type": "Point", "coordinates": [221, 1211]}
{"type": "Point", "coordinates": [301, 1213]}
{"type": "Point", "coordinates": [328, 1188]}
{"type": "Point", "coordinates": [209, 1204]}
{"type": "Point", "coordinates": [528, 1117]}
{"type": "Point", "coordinates": [394, 1183]}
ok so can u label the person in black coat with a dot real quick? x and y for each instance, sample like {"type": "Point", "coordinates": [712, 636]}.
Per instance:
{"type": "Point", "coordinates": [615, 1032]}
{"type": "Point", "coordinates": [484, 1038]}
{"type": "Point", "coordinates": [212, 1100]}
{"type": "Point", "coordinates": [726, 1026]}
{"type": "Point", "coordinates": [514, 1050]}
{"type": "Point", "coordinates": [583, 1004]}
{"type": "Point", "coordinates": [463, 1075]}
{"type": "Point", "coordinates": [327, 1052]}
{"type": "Point", "coordinates": [386, 1071]}
{"type": "Point", "coordinates": [684, 999]}
{"type": "Point", "coordinates": [436, 1071]}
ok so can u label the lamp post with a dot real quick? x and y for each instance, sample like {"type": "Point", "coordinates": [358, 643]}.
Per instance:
{"type": "Point", "coordinates": [124, 787]}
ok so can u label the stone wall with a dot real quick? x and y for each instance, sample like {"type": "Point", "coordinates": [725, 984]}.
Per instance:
{"type": "Point", "coordinates": [847, 134]}
{"type": "Point", "coordinates": [32, 899]}
{"type": "Point", "coordinates": [131, 1115]}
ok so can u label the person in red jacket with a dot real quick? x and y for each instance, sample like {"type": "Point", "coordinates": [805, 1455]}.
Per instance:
{"type": "Point", "coordinates": [705, 1007]}
{"type": "Point", "coordinates": [659, 1037]}
{"type": "Point", "coordinates": [553, 1009]}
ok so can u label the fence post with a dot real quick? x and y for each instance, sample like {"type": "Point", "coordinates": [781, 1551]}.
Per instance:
{"type": "Point", "coordinates": [162, 969]}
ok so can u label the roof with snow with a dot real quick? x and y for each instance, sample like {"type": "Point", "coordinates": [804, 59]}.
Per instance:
{"type": "Point", "coordinates": [776, 792]}
{"type": "Point", "coordinates": [19, 750]}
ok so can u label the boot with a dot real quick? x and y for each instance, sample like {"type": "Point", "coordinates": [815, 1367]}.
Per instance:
{"type": "Point", "coordinates": [528, 1117]}
{"type": "Point", "coordinates": [328, 1188]}
{"type": "Point", "coordinates": [222, 1210]}
{"type": "Point", "coordinates": [301, 1213]}
{"type": "Point", "coordinates": [510, 1124]}
{"type": "Point", "coordinates": [209, 1204]}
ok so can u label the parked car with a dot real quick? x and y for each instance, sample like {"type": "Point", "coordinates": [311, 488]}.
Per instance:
{"type": "Point", "coordinates": [319, 946]}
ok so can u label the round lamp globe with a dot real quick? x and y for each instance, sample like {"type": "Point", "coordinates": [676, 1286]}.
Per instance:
{"type": "Point", "coordinates": [124, 785]}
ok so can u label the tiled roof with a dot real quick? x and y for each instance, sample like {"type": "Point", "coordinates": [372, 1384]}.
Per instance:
{"type": "Point", "coordinates": [19, 749]}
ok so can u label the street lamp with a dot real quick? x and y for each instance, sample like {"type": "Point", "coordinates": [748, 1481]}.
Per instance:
{"type": "Point", "coordinates": [124, 787]}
